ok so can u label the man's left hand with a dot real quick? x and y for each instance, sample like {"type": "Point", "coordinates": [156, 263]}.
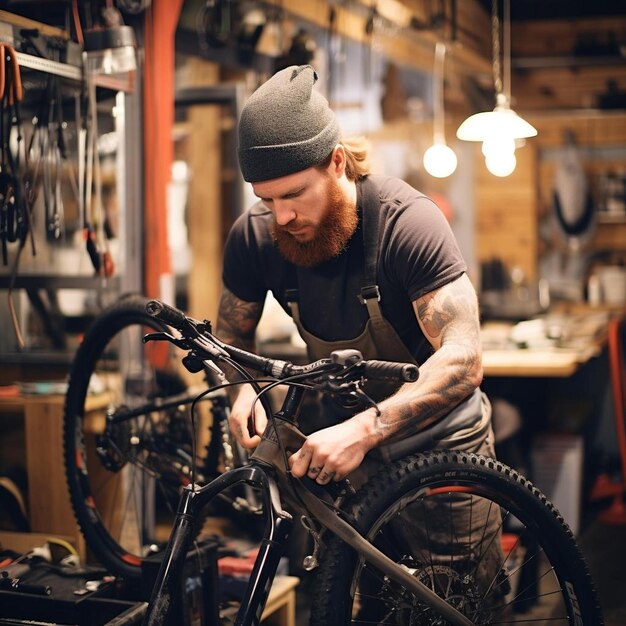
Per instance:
{"type": "Point", "coordinates": [331, 453]}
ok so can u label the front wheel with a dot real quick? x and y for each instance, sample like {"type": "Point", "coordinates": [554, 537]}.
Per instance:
{"type": "Point", "coordinates": [470, 528]}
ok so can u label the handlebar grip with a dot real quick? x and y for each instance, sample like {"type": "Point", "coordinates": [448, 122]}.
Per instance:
{"type": "Point", "coordinates": [390, 370]}
{"type": "Point", "coordinates": [166, 313]}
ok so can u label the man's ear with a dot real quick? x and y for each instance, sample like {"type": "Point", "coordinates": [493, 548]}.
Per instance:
{"type": "Point", "coordinates": [338, 161]}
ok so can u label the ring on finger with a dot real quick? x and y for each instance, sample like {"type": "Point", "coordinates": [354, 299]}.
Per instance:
{"type": "Point", "coordinates": [325, 477]}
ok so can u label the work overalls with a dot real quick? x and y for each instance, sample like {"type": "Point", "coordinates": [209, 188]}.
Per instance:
{"type": "Point", "coordinates": [467, 427]}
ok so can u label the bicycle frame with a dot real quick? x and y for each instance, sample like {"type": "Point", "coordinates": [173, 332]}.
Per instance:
{"type": "Point", "coordinates": [162, 405]}
{"type": "Point", "coordinates": [264, 473]}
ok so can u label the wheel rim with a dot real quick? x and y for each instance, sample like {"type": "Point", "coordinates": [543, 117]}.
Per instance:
{"type": "Point", "coordinates": [498, 572]}
{"type": "Point", "coordinates": [129, 474]}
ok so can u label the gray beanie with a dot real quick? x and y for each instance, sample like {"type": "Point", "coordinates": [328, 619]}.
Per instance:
{"type": "Point", "coordinates": [286, 126]}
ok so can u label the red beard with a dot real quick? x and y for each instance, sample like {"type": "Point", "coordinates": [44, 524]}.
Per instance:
{"type": "Point", "coordinates": [333, 233]}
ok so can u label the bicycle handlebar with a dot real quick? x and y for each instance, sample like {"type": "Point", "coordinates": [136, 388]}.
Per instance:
{"type": "Point", "coordinates": [168, 314]}
{"type": "Point", "coordinates": [198, 333]}
{"type": "Point", "coordinates": [388, 370]}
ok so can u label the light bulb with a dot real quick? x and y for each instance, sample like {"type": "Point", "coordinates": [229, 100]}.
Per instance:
{"type": "Point", "coordinates": [496, 146]}
{"type": "Point", "coordinates": [502, 164]}
{"type": "Point", "coordinates": [440, 160]}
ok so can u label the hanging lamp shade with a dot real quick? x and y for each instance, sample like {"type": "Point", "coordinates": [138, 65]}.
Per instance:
{"type": "Point", "coordinates": [501, 122]}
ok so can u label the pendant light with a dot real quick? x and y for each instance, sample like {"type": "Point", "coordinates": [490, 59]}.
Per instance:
{"type": "Point", "coordinates": [439, 160]}
{"type": "Point", "coordinates": [498, 129]}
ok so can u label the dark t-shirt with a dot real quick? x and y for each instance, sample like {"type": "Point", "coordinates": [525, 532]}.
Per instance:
{"type": "Point", "coordinates": [418, 253]}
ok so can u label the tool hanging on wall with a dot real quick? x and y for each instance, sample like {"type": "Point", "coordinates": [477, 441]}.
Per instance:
{"type": "Point", "coordinates": [15, 219]}
{"type": "Point", "coordinates": [106, 30]}
{"type": "Point", "coordinates": [49, 160]}
{"type": "Point", "coordinates": [94, 221]}
{"type": "Point", "coordinates": [572, 202]}
{"type": "Point", "coordinates": [15, 208]}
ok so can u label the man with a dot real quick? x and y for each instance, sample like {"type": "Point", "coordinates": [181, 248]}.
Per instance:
{"type": "Point", "coordinates": [358, 261]}
{"type": "Point", "coordinates": [367, 263]}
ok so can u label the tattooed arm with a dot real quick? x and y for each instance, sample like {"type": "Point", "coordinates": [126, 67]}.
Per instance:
{"type": "Point", "coordinates": [237, 320]}
{"type": "Point", "coordinates": [449, 319]}
{"type": "Point", "coordinates": [236, 324]}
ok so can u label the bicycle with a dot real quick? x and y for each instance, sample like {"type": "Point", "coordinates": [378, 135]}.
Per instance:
{"type": "Point", "coordinates": [127, 461]}
{"type": "Point", "coordinates": [372, 571]}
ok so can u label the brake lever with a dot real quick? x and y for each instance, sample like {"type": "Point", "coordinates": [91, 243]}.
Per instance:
{"type": "Point", "coordinates": [163, 336]}
{"type": "Point", "coordinates": [365, 400]}
{"type": "Point", "coordinates": [348, 390]}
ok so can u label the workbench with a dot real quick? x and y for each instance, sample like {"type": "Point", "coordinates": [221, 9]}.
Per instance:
{"type": "Point", "coordinates": [48, 501]}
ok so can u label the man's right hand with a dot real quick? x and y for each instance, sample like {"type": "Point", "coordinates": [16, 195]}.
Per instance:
{"type": "Point", "coordinates": [247, 433]}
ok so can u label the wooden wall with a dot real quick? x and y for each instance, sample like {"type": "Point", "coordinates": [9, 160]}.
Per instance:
{"type": "Point", "coordinates": [551, 69]}
{"type": "Point", "coordinates": [508, 210]}
{"type": "Point", "coordinates": [506, 213]}
{"type": "Point", "coordinates": [593, 132]}
{"type": "Point", "coordinates": [201, 148]}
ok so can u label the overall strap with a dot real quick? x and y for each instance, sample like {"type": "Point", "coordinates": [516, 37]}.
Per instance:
{"type": "Point", "coordinates": [370, 294]}
{"type": "Point", "coordinates": [292, 297]}
{"type": "Point", "coordinates": [292, 294]}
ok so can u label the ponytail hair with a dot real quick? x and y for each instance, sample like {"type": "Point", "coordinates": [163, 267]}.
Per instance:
{"type": "Point", "coordinates": [357, 157]}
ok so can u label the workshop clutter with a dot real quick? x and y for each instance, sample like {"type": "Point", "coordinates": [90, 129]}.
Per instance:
{"type": "Point", "coordinates": [49, 584]}
{"type": "Point", "coordinates": [57, 191]}
{"type": "Point", "coordinates": [15, 216]}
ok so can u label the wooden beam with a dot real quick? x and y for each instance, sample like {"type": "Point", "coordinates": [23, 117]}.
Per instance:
{"type": "Point", "coordinates": [404, 45]}
{"type": "Point", "coordinates": [24, 22]}
{"type": "Point", "coordinates": [204, 205]}
{"type": "Point", "coordinates": [545, 38]}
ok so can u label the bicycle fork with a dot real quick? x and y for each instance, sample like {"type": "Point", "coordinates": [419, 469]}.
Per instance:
{"type": "Point", "coordinates": [183, 532]}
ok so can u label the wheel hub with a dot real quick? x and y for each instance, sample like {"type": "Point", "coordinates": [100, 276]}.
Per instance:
{"type": "Point", "coordinates": [113, 445]}
{"type": "Point", "coordinates": [460, 590]}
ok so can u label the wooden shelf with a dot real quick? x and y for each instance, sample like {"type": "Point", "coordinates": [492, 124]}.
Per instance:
{"type": "Point", "coordinates": [608, 218]}
{"type": "Point", "coordinates": [56, 281]}
{"type": "Point", "coordinates": [280, 608]}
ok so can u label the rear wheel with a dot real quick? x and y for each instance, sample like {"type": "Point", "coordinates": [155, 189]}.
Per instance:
{"type": "Point", "coordinates": [126, 458]}
{"type": "Point", "coordinates": [474, 531]}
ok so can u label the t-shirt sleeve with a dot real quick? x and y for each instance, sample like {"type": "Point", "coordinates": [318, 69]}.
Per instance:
{"type": "Point", "coordinates": [421, 252]}
{"type": "Point", "coordinates": [242, 271]}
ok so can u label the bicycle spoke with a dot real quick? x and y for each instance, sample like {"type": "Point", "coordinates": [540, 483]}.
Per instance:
{"type": "Point", "coordinates": [369, 596]}
{"type": "Point", "coordinates": [379, 623]}
{"type": "Point", "coordinates": [493, 538]}
{"type": "Point", "coordinates": [502, 565]}
{"type": "Point", "coordinates": [535, 582]}
{"type": "Point", "coordinates": [530, 620]}
{"type": "Point", "coordinates": [387, 545]}
{"type": "Point", "coordinates": [428, 546]}
{"type": "Point", "coordinates": [535, 597]}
